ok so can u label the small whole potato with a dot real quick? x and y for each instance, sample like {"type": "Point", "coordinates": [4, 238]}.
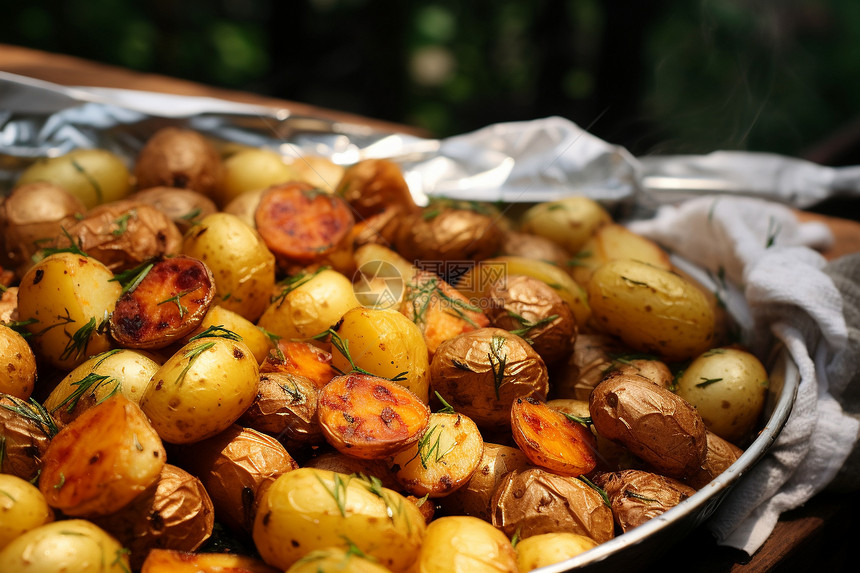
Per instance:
{"type": "Point", "coordinates": [18, 375]}
{"type": "Point", "coordinates": [182, 206]}
{"type": "Point", "coordinates": [534, 247]}
{"type": "Point", "coordinates": [652, 310]}
{"type": "Point", "coordinates": [721, 454]}
{"type": "Point", "coordinates": [548, 548]}
{"type": "Point", "coordinates": [181, 158]}
{"type": "Point", "coordinates": [656, 425]}
{"type": "Point", "coordinates": [26, 429]}
{"type": "Point", "coordinates": [728, 387]}
{"type": "Point", "coordinates": [252, 169]}
{"type": "Point", "coordinates": [334, 559]}
{"type": "Point", "coordinates": [22, 508]}
{"type": "Point", "coordinates": [286, 407]}
{"type": "Point", "coordinates": [463, 544]}
{"type": "Point", "coordinates": [568, 222]}
{"type": "Point", "coordinates": [448, 234]}
{"type": "Point", "coordinates": [637, 496]}
{"type": "Point", "coordinates": [611, 242]}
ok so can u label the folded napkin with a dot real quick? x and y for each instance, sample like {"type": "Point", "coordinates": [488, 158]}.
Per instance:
{"type": "Point", "coordinates": [762, 260]}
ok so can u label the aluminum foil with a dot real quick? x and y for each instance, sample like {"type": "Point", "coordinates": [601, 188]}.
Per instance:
{"type": "Point", "coordinates": [519, 162]}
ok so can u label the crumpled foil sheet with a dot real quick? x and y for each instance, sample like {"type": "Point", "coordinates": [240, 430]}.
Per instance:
{"type": "Point", "coordinates": [518, 162]}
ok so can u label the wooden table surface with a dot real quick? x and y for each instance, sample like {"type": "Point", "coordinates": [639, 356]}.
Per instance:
{"type": "Point", "coordinates": [817, 535]}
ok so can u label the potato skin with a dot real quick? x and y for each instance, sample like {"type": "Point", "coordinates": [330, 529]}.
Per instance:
{"type": "Point", "coordinates": [182, 206]}
{"type": "Point", "coordinates": [181, 158]}
{"type": "Point", "coordinates": [309, 509]}
{"type": "Point", "coordinates": [535, 501]}
{"type": "Point", "coordinates": [448, 234]}
{"type": "Point", "coordinates": [637, 496]}
{"type": "Point", "coordinates": [26, 432]}
{"type": "Point", "coordinates": [568, 222]}
{"type": "Point", "coordinates": [721, 454]}
{"type": "Point", "coordinates": [463, 544]}
{"type": "Point", "coordinates": [549, 548]}
{"type": "Point", "coordinates": [286, 408]}
{"type": "Point", "coordinates": [652, 310]}
{"type": "Point", "coordinates": [18, 376]}
{"type": "Point", "coordinates": [656, 425]}
{"type": "Point", "coordinates": [22, 507]}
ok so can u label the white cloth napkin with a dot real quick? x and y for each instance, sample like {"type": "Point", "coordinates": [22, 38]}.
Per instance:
{"type": "Point", "coordinates": [768, 256]}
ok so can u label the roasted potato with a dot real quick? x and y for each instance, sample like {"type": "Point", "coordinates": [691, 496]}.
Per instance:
{"type": "Point", "coordinates": [202, 389]}
{"type": "Point", "coordinates": [26, 429]}
{"type": "Point", "coordinates": [590, 360]}
{"type": "Point", "coordinates": [482, 372]}
{"type": "Point", "coordinates": [463, 544]}
{"type": "Point", "coordinates": [569, 222]}
{"type": "Point", "coordinates": [301, 359]}
{"type": "Point", "coordinates": [721, 454]}
{"type": "Point", "coordinates": [335, 461]}
{"type": "Point", "coordinates": [319, 171]}
{"type": "Point", "coordinates": [443, 460]}
{"type": "Point", "coordinates": [258, 341]}
{"type": "Point", "coordinates": [531, 309]}
{"type": "Point", "coordinates": [336, 559]}
{"type": "Point", "coordinates": [182, 206]}
{"type": "Point", "coordinates": [534, 247]}
{"type": "Point", "coordinates": [286, 408]}
{"type": "Point", "coordinates": [549, 548]}
{"type": "Point", "coordinates": [728, 387]}
{"type": "Point", "coordinates": [447, 234]}
{"type": "Point", "coordinates": [370, 417]}
{"type": "Point", "coordinates": [173, 513]}
{"type": "Point", "coordinates": [243, 267]}
{"type": "Point", "coordinates": [656, 425]}
{"type": "Point", "coordinates": [637, 496]}
{"type": "Point", "coordinates": [652, 310]}
{"type": "Point", "coordinates": [165, 302]}
{"type": "Point", "coordinates": [70, 545]}
{"type": "Point", "coordinates": [181, 158]}
{"type": "Point", "coordinates": [535, 501]}
{"type": "Point", "coordinates": [611, 242]}
{"type": "Point", "coordinates": [236, 466]}
{"type": "Point", "coordinates": [65, 300]}
{"type": "Point", "coordinates": [102, 460]}
{"type": "Point", "coordinates": [250, 170]}
{"type": "Point", "coordinates": [18, 376]}
{"type": "Point", "coordinates": [648, 368]}
{"type": "Point", "coordinates": [171, 561]}
{"type": "Point", "coordinates": [344, 510]}
{"type": "Point", "coordinates": [22, 508]}
{"type": "Point", "coordinates": [122, 234]}
{"type": "Point", "coordinates": [94, 176]}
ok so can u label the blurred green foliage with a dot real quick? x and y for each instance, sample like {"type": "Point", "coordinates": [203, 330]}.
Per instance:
{"type": "Point", "coordinates": [657, 77]}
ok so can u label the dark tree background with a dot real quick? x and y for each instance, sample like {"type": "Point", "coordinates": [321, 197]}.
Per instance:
{"type": "Point", "coordinates": [656, 77]}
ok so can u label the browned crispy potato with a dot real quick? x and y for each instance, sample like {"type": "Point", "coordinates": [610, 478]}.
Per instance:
{"type": "Point", "coordinates": [8, 304]}
{"type": "Point", "coordinates": [531, 309]}
{"type": "Point", "coordinates": [443, 459]}
{"type": "Point", "coordinates": [123, 234]}
{"type": "Point", "coordinates": [588, 363]}
{"type": "Point", "coordinates": [552, 440]}
{"type": "Point", "coordinates": [535, 501]}
{"type": "Point", "coordinates": [474, 498]}
{"type": "Point", "coordinates": [181, 158]}
{"type": "Point", "coordinates": [637, 496]}
{"type": "Point", "coordinates": [439, 310]}
{"type": "Point", "coordinates": [303, 225]}
{"type": "Point", "coordinates": [286, 407]}
{"type": "Point", "coordinates": [26, 429]}
{"type": "Point", "coordinates": [102, 460]}
{"type": "Point", "coordinates": [534, 247]}
{"type": "Point", "coordinates": [173, 513]}
{"type": "Point", "coordinates": [721, 454]}
{"type": "Point", "coordinates": [448, 234]}
{"type": "Point", "coordinates": [343, 464]}
{"type": "Point", "coordinates": [302, 359]}
{"type": "Point", "coordinates": [480, 373]}
{"type": "Point", "coordinates": [31, 216]}
{"type": "Point", "coordinates": [171, 561]}
{"type": "Point", "coordinates": [18, 375]}
{"type": "Point", "coordinates": [184, 207]}
{"type": "Point", "coordinates": [370, 417]}
{"type": "Point", "coordinates": [650, 369]}
{"type": "Point", "coordinates": [236, 467]}
{"type": "Point", "coordinates": [656, 425]}
{"type": "Point", "coordinates": [167, 302]}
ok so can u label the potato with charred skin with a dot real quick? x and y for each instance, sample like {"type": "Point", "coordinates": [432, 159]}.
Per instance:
{"type": "Point", "coordinates": [552, 440]}
{"type": "Point", "coordinates": [182, 206]}
{"type": "Point", "coordinates": [30, 216]}
{"type": "Point", "coordinates": [648, 368]}
{"type": "Point", "coordinates": [123, 234]}
{"type": "Point", "coordinates": [18, 376]}
{"type": "Point", "coordinates": [637, 496]}
{"type": "Point", "coordinates": [202, 389]}
{"type": "Point", "coordinates": [448, 234]}
{"type": "Point", "coordinates": [181, 158]}
{"type": "Point", "coordinates": [588, 363]}
{"type": "Point", "coordinates": [65, 300]}
{"type": "Point", "coordinates": [173, 513]}
{"type": "Point", "coordinates": [26, 429]}
{"type": "Point", "coordinates": [531, 309]}
{"type": "Point", "coordinates": [286, 407]}
{"type": "Point", "coordinates": [166, 301]}
{"type": "Point", "coordinates": [172, 561]}
{"type": "Point", "coordinates": [337, 462]}
{"type": "Point", "coordinates": [656, 425]}
{"type": "Point", "coordinates": [482, 372]}
{"type": "Point", "coordinates": [309, 509]}
{"type": "Point", "coordinates": [462, 544]}
{"type": "Point", "coordinates": [22, 506]}
{"type": "Point", "coordinates": [242, 265]}
{"type": "Point", "coordinates": [102, 460]}
{"type": "Point", "coordinates": [370, 417]}
{"type": "Point", "coordinates": [443, 460]}
{"type": "Point", "coordinates": [236, 466]}
{"type": "Point", "coordinates": [535, 501]}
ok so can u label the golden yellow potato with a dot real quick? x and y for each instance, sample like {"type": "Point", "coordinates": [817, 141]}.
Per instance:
{"type": "Point", "coordinates": [548, 548]}
{"type": "Point", "coordinates": [320, 172]}
{"type": "Point", "coordinates": [22, 508]}
{"type": "Point", "coordinates": [652, 310]}
{"type": "Point", "coordinates": [257, 341]}
{"type": "Point", "coordinates": [463, 544]}
{"type": "Point", "coordinates": [728, 387]}
{"type": "Point", "coordinates": [94, 176]}
{"type": "Point", "coordinates": [66, 300]}
{"type": "Point", "coordinates": [612, 242]}
{"type": "Point", "coordinates": [18, 375]}
{"type": "Point", "coordinates": [386, 344]}
{"type": "Point", "coordinates": [243, 267]}
{"type": "Point", "coordinates": [335, 559]}
{"type": "Point", "coordinates": [201, 390]}
{"type": "Point", "coordinates": [568, 222]}
{"type": "Point", "coordinates": [308, 509]}
{"type": "Point", "coordinates": [251, 170]}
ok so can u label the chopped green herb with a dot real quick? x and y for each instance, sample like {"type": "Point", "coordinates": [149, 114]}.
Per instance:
{"type": "Point", "coordinates": [192, 354]}
{"type": "Point", "coordinates": [131, 278]}
{"type": "Point", "coordinates": [342, 346]}
{"type": "Point", "coordinates": [599, 490]}
{"type": "Point", "coordinates": [6, 493]}
{"type": "Point", "coordinates": [773, 229]}
{"type": "Point", "coordinates": [216, 331]}
{"type": "Point", "coordinates": [528, 326]}
{"type": "Point", "coordinates": [75, 249]}
{"type": "Point", "coordinates": [633, 282]}
{"type": "Point", "coordinates": [497, 361]}
{"type": "Point", "coordinates": [708, 382]}
{"type": "Point", "coordinates": [584, 420]}
{"type": "Point", "coordinates": [446, 407]}
{"type": "Point", "coordinates": [88, 383]}
{"type": "Point", "coordinates": [294, 282]}
{"type": "Point", "coordinates": [92, 180]}
{"type": "Point", "coordinates": [122, 222]}
{"type": "Point", "coordinates": [515, 540]}
{"type": "Point", "coordinates": [62, 481]}
{"type": "Point", "coordinates": [576, 261]}
{"type": "Point", "coordinates": [177, 298]}
{"type": "Point", "coordinates": [35, 412]}
{"type": "Point", "coordinates": [640, 497]}
{"type": "Point", "coordinates": [77, 345]}
{"type": "Point", "coordinates": [430, 447]}
{"type": "Point", "coordinates": [119, 561]}
{"type": "Point", "coordinates": [274, 338]}
{"type": "Point", "coordinates": [191, 216]}
{"type": "Point", "coordinates": [337, 492]}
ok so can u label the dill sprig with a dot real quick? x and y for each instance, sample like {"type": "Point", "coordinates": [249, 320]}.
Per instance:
{"type": "Point", "coordinates": [292, 283]}
{"type": "Point", "coordinates": [707, 381]}
{"type": "Point", "coordinates": [342, 346]}
{"type": "Point", "coordinates": [177, 298]}
{"type": "Point", "coordinates": [122, 222]}
{"type": "Point", "coordinates": [584, 420]}
{"type": "Point", "coordinates": [77, 344]}
{"type": "Point", "coordinates": [89, 383]}
{"type": "Point", "coordinates": [638, 496]}
{"type": "Point", "coordinates": [528, 325]}
{"type": "Point", "coordinates": [35, 412]}
{"type": "Point", "coordinates": [446, 407]}
{"type": "Point", "coordinates": [337, 491]}
{"type": "Point", "coordinates": [74, 248]}
{"type": "Point", "coordinates": [498, 361]}
{"type": "Point", "coordinates": [598, 489]}
{"type": "Point", "coordinates": [90, 179]}
{"type": "Point", "coordinates": [192, 354]}
{"type": "Point", "coordinates": [430, 447]}
{"type": "Point", "coordinates": [131, 278]}
{"type": "Point", "coordinates": [216, 331]}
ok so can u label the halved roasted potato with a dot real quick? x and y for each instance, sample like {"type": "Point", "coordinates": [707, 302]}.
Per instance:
{"type": "Point", "coordinates": [302, 359]}
{"type": "Point", "coordinates": [172, 561]}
